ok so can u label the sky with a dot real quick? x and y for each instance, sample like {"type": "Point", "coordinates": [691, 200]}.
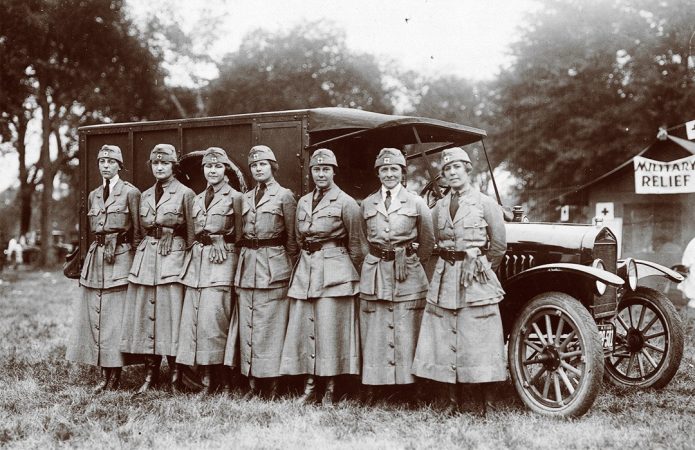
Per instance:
{"type": "Point", "coordinates": [467, 38]}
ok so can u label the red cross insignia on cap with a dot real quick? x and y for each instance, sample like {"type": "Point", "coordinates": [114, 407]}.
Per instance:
{"type": "Point", "coordinates": [446, 159]}
{"type": "Point", "coordinates": [214, 159]}
{"type": "Point", "coordinates": [319, 160]}
{"type": "Point", "coordinates": [105, 153]}
{"type": "Point", "coordinates": [387, 160]}
{"type": "Point", "coordinates": [255, 156]}
{"type": "Point", "coordinates": [159, 156]}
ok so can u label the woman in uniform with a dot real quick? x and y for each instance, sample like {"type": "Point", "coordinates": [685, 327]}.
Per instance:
{"type": "Point", "coordinates": [268, 250]}
{"type": "Point", "coordinates": [323, 333]}
{"type": "Point", "coordinates": [461, 338]}
{"type": "Point", "coordinates": [208, 271]}
{"type": "Point", "coordinates": [115, 224]}
{"type": "Point", "coordinates": [393, 284]}
{"type": "Point", "coordinates": [155, 295]}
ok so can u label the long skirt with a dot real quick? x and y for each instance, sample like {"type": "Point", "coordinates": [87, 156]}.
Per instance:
{"type": "Point", "coordinates": [388, 332]}
{"type": "Point", "coordinates": [323, 337]}
{"type": "Point", "coordinates": [152, 318]}
{"type": "Point", "coordinates": [96, 328]}
{"type": "Point", "coordinates": [204, 325]}
{"type": "Point", "coordinates": [263, 315]}
{"type": "Point", "coordinates": [463, 345]}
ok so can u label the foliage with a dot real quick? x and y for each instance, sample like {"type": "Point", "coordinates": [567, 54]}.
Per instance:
{"type": "Point", "coordinates": [307, 66]}
{"type": "Point", "coordinates": [591, 83]}
{"type": "Point", "coordinates": [47, 402]}
{"type": "Point", "coordinates": [69, 63]}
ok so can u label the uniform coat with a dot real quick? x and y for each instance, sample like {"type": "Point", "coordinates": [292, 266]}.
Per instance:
{"type": "Point", "coordinates": [461, 338]}
{"type": "Point", "coordinates": [155, 295]}
{"type": "Point", "coordinates": [208, 302]}
{"type": "Point", "coordinates": [391, 310]}
{"type": "Point", "coordinates": [323, 331]}
{"type": "Point", "coordinates": [99, 311]}
{"type": "Point", "coordinates": [261, 280]}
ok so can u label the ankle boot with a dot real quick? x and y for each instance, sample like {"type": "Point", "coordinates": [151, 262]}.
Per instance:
{"type": "Point", "coordinates": [206, 380]}
{"type": "Point", "coordinates": [309, 395]}
{"type": "Point", "coordinates": [226, 376]}
{"type": "Point", "coordinates": [175, 371]}
{"type": "Point", "coordinates": [105, 378]}
{"type": "Point", "coordinates": [274, 388]}
{"type": "Point", "coordinates": [151, 374]}
{"type": "Point", "coordinates": [329, 393]}
{"type": "Point", "coordinates": [368, 395]}
{"type": "Point", "coordinates": [253, 389]}
{"type": "Point", "coordinates": [115, 378]}
{"type": "Point", "coordinates": [450, 394]}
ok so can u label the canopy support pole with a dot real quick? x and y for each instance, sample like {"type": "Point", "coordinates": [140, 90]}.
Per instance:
{"type": "Point", "coordinates": [430, 170]}
{"type": "Point", "coordinates": [492, 176]}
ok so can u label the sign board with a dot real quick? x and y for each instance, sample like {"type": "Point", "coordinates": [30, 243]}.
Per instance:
{"type": "Point", "coordinates": [664, 177]}
{"type": "Point", "coordinates": [565, 213]}
{"type": "Point", "coordinates": [605, 210]}
{"type": "Point", "coordinates": [690, 129]}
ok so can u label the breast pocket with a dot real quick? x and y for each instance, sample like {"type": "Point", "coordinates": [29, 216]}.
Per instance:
{"type": "Point", "coordinates": [406, 221]}
{"type": "Point", "coordinates": [475, 229]}
{"type": "Point", "coordinates": [117, 217]}
{"type": "Point", "coordinates": [270, 222]}
{"type": "Point", "coordinates": [370, 218]}
{"type": "Point", "coordinates": [93, 217]}
{"type": "Point", "coordinates": [147, 215]}
{"type": "Point", "coordinates": [170, 215]}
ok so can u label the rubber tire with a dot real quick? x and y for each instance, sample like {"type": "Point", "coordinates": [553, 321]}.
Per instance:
{"type": "Point", "coordinates": [675, 336]}
{"type": "Point", "coordinates": [591, 382]}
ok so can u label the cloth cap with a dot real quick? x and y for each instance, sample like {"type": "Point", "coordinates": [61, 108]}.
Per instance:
{"type": "Point", "coordinates": [261, 152]}
{"type": "Point", "coordinates": [323, 156]}
{"type": "Point", "coordinates": [389, 156]}
{"type": "Point", "coordinates": [163, 152]}
{"type": "Point", "coordinates": [111, 151]}
{"type": "Point", "coordinates": [454, 154]}
{"type": "Point", "coordinates": [216, 155]}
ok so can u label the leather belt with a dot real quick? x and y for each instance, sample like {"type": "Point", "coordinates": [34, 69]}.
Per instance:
{"type": "Point", "coordinates": [453, 255]}
{"type": "Point", "coordinates": [258, 243]}
{"type": "Point", "coordinates": [100, 238]}
{"type": "Point", "coordinates": [389, 254]}
{"type": "Point", "coordinates": [205, 239]}
{"type": "Point", "coordinates": [315, 246]}
{"type": "Point", "coordinates": [155, 231]}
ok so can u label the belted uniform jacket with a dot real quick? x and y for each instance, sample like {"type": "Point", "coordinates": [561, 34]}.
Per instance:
{"type": "Point", "coordinates": [267, 267]}
{"type": "Point", "coordinates": [118, 214]}
{"type": "Point", "coordinates": [174, 210]}
{"type": "Point", "coordinates": [218, 218]}
{"type": "Point", "coordinates": [478, 222]}
{"type": "Point", "coordinates": [331, 271]}
{"type": "Point", "coordinates": [408, 221]}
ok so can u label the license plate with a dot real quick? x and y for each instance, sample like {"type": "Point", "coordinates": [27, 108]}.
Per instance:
{"type": "Point", "coordinates": [607, 331]}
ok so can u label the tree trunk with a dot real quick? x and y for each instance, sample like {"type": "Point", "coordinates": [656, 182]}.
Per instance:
{"type": "Point", "coordinates": [47, 255]}
{"type": "Point", "coordinates": [26, 186]}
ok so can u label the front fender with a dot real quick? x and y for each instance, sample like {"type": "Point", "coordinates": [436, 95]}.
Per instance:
{"type": "Point", "coordinates": [648, 268]}
{"type": "Point", "coordinates": [576, 269]}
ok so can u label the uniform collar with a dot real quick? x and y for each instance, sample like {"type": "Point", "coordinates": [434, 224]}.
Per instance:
{"type": "Point", "coordinates": [394, 191]}
{"type": "Point", "coordinates": [112, 181]}
{"type": "Point", "coordinates": [216, 188]}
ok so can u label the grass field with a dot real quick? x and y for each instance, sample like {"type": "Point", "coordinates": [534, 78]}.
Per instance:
{"type": "Point", "coordinates": [47, 402]}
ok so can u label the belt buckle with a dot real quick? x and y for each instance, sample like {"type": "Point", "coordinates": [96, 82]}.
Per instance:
{"type": "Point", "coordinates": [254, 243]}
{"type": "Point", "coordinates": [384, 254]}
{"type": "Point", "coordinates": [158, 232]}
{"type": "Point", "coordinates": [100, 239]}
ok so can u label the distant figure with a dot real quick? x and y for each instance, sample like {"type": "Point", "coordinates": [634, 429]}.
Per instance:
{"type": "Point", "coordinates": [15, 252]}
{"type": "Point", "coordinates": [688, 285]}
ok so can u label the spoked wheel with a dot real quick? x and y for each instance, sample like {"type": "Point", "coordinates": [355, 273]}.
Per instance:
{"type": "Point", "coordinates": [555, 356]}
{"type": "Point", "coordinates": [648, 341]}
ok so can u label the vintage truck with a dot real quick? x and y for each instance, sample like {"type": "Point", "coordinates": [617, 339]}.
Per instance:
{"type": "Point", "coordinates": [574, 313]}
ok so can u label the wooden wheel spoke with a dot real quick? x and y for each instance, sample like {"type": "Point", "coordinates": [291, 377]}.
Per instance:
{"type": "Point", "coordinates": [655, 335]}
{"type": "Point", "coordinates": [549, 329]}
{"type": "Point", "coordinates": [629, 364]}
{"type": "Point", "coordinates": [537, 376]}
{"type": "Point", "coordinates": [536, 348]}
{"type": "Point", "coordinates": [629, 314]}
{"type": "Point", "coordinates": [649, 358]}
{"type": "Point", "coordinates": [640, 365]}
{"type": "Point", "coordinates": [649, 324]}
{"type": "Point", "coordinates": [539, 334]}
{"type": "Point", "coordinates": [622, 323]}
{"type": "Point", "coordinates": [653, 347]}
{"type": "Point", "coordinates": [567, 340]}
{"type": "Point", "coordinates": [556, 388]}
{"type": "Point", "coordinates": [570, 355]}
{"type": "Point", "coordinates": [641, 317]}
{"type": "Point", "coordinates": [546, 386]}
{"type": "Point", "coordinates": [558, 331]}
{"type": "Point", "coordinates": [570, 368]}
{"type": "Point", "coordinates": [565, 380]}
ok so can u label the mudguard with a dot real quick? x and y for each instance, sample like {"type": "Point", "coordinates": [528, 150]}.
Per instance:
{"type": "Point", "coordinates": [648, 268]}
{"type": "Point", "coordinates": [586, 271]}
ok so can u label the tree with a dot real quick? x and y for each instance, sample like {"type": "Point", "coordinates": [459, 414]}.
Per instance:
{"type": "Point", "coordinates": [71, 63]}
{"type": "Point", "coordinates": [591, 84]}
{"type": "Point", "coordinates": [308, 66]}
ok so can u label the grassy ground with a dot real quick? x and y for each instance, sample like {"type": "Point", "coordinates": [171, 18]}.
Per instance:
{"type": "Point", "coordinates": [47, 402]}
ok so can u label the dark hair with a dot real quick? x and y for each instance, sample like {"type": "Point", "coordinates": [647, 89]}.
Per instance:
{"type": "Point", "coordinates": [274, 167]}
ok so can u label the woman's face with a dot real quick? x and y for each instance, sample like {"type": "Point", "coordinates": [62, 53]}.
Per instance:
{"type": "Point", "coordinates": [214, 173]}
{"type": "Point", "coordinates": [323, 176]}
{"type": "Point", "coordinates": [390, 175]}
{"type": "Point", "coordinates": [456, 175]}
{"type": "Point", "coordinates": [162, 170]}
{"type": "Point", "coordinates": [261, 171]}
{"type": "Point", "coordinates": [108, 167]}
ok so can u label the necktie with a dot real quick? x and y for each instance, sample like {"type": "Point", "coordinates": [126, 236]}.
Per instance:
{"type": "Point", "coordinates": [209, 194]}
{"type": "Point", "coordinates": [454, 205]}
{"type": "Point", "coordinates": [158, 191]}
{"type": "Point", "coordinates": [318, 195]}
{"type": "Point", "coordinates": [259, 192]}
{"type": "Point", "coordinates": [107, 190]}
{"type": "Point", "coordinates": [387, 200]}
